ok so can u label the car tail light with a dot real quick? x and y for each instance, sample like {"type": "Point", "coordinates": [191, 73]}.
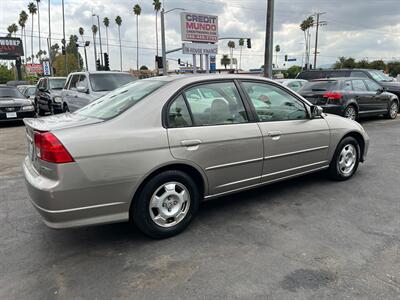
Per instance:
{"type": "Point", "coordinates": [50, 149]}
{"type": "Point", "coordinates": [333, 96]}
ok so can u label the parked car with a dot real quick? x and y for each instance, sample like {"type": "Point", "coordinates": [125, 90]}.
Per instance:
{"type": "Point", "coordinates": [151, 151]}
{"type": "Point", "coordinates": [84, 87]}
{"type": "Point", "coordinates": [28, 91]}
{"type": "Point", "coordinates": [293, 84]}
{"type": "Point", "coordinates": [14, 105]}
{"type": "Point", "coordinates": [384, 80]}
{"type": "Point", "coordinates": [48, 95]}
{"type": "Point", "coordinates": [351, 97]}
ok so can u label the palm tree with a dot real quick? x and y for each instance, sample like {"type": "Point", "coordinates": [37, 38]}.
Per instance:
{"type": "Point", "coordinates": [94, 31]}
{"type": "Point", "coordinates": [157, 7]}
{"type": "Point", "coordinates": [305, 27]}
{"type": "Point", "coordinates": [137, 10]}
{"type": "Point", "coordinates": [241, 44]}
{"type": "Point", "coordinates": [38, 12]}
{"type": "Point", "coordinates": [231, 45]}
{"type": "Point", "coordinates": [81, 33]}
{"type": "Point", "coordinates": [23, 17]}
{"type": "Point", "coordinates": [106, 22]}
{"type": "Point", "coordinates": [32, 10]}
{"type": "Point", "coordinates": [10, 31]}
{"type": "Point", "coordinates": [277, 49]}
{"type": "Point", "coordinates": [225, 60]}
{"type": "Point", "coordinates": [118, 21]}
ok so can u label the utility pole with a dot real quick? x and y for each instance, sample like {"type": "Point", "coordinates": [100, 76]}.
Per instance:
{"type": "Point", "coordinates": [269, 39]}
{"type": "Point", "coordinates": [163, 50]}
{"type": "Point", "coordinates": [49, 43]}
{"type": "Point", "coordinates": [64, 41]}
{"type": "Point", "coordinates": [318, 23]}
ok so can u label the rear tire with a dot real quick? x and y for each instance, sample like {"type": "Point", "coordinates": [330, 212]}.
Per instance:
{"type": "Point", "coordinates": [351, 112]}
{"type": "Point", "coordinates": [166, 204]}
{"type": "Point", "coordinates": [393, 110]}
{"type": "Point", "coordinates": [345, 160]}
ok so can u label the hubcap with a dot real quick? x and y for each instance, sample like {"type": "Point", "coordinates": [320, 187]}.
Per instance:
{"type": "Point", "coordinates": [350, 113]}
{"type": "Point", "coordinates": [393, 110]}
{"type": "Point", "coordinates": [347, 159]}
{"type": "Point", "coordinates": [169, 204]}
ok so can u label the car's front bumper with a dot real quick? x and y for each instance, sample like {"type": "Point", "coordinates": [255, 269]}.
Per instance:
{"type": "Point", "coordinates": [73, 201]}
{"type": "Point", "coordinates": [19, 115]}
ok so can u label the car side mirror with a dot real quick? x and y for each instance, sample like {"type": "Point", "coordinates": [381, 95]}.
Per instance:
{"type": "Point", "coordinates": [380, 90]}
{"type": "Point", "coordinates": [316, 111]}
{"type": "Point", "coordinates": [82, 89]}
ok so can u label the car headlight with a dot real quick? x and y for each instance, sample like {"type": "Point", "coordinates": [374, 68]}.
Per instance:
{"type": "Point", "coordinates": [28, 107]}
{"type": "Point", "coordinates": [57, 99]}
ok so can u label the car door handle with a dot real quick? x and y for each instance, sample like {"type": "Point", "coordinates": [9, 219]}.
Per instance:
{"type": "Point", "coordinates": [274, 133]}
{"type": "Point", "coordinates": [190, 143]}
{"type": "Point", "coordinates": [76, 96]}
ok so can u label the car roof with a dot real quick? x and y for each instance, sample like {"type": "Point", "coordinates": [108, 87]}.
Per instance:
{"type": "Point", "coordinates": [203, 77]}
{"type": "Point", "coordinates": [98, 72]}
{"type": "Point", "coordinates": [338, 78]}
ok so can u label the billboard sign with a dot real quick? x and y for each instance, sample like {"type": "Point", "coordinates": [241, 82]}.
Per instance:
{"type": "Point", "coordinates": [199, 48]}
{"type": "Point", "coordinates": [199, 27]}
{"type": "Point", "coordinates": [11, 48]}
{"type": "Point", "coordinates": [34, 68]}
{"type": "Point", "coordinates": [46, 68]}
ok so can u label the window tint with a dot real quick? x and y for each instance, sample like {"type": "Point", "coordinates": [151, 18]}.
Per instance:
{"type": "Point", "coordinates": [30, 91]}
{"type": "Point", "coordinates": [74, 81]}
{"type": "Point", "coordinates": [9, 92]}
{"type": "Point", "coordinates": [358, 74]}
{"type": "Point", "coordinates": [56, 84]}
{"type": "Point", "coordinates": [82, 82]}
{"type": "Point", "coordinates": [372, 86]}
{"type": "Point", "coordinates": [216, 103]}
{"type": "Point", "coordinates": [178, 115]}
{"type": "Point", "coordinates": [274, 104]}
{"type": "Point", "coordinates": [358, 85]}
{"type": "Point", "coordinates": [110, 81]}
{"type": "Point", "coordinates": [41, 84]}
{"type": "Point", "coordinates": [347, 86]}
{"type": "Point", "coordinates": [295, 85]}
{"type": "Point", "coordinates": [321, 86]}
{"type": "Point", "coordinates": [379, 76]}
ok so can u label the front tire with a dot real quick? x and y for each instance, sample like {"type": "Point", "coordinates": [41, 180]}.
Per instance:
{"type": "Point", "coordinates": [350, 112]}
{"type": "Point", "coordinates": [392, 111]}
{"type": "Point", "coordinates": [166, 205]}
{"type": "Point", "coordinates": [345, 160]}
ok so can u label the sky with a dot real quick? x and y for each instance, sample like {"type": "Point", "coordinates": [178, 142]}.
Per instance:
{"type": "Point", "coordinates": [363, 29]}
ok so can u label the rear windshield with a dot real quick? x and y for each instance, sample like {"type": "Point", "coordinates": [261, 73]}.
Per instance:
{"type": "Point", "coordinates": [10, 93]}
{"type": "Point", "coordinates": [109, 82]}
{"type": "Point", "coordinates": [118, 101]}
{"type": "Point", "coordinates": [320, 86]}
{"type": "Point", "coordinates": [56, 84]}
{"type": "Point", "coordinates": [310, 75]}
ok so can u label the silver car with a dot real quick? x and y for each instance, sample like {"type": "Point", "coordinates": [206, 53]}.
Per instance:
{"type": "Point", "coordinates": [150, 151]}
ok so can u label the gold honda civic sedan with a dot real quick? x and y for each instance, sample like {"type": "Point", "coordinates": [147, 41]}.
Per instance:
{"type": "Point", "coordinates": [152, 150]}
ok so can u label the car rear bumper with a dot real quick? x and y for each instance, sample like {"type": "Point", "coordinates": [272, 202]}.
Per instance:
{"type": "Point", "coordinates": [68, 203]}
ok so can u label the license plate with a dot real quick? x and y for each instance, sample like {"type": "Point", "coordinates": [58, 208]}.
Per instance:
{"type": "Point", "coordinates": [11, 115]}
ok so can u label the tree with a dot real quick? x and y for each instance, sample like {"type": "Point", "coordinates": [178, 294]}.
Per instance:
{"type": "Point", "coordinates": [38, 12]}
{"type": "Point", "coordinates": [277, 50]}
{"type": "Point", "coordinates": [32, 10]}
{"type": "Point", "coordinates": [157, 7]}
{"type": "Point", "coordinates": [10, 31]}
{"type": "Point", "coordinates": [6, 74]}
{"type": "Point", "coordinates": [393, 68]}
{"type": "Point", "coordinates": [231, 45]}
{"type": "Point", "coordinates": [225, 60]}
{"type": "Point", "coordinates": [305, 27]}
{"type": "Point", "coordinates": [94, 32]}
{"type": "Point", "coordinates": [377, 64]}
{"type": "Point", "coordinates": [292, 71]}
{"type": "Point", "coordinates": [106, 22]}
{"type": "Point", "coordinates": [241, 44]}
{"type": "Point", "coordinates": [345, 63]}
{"type": "Point", "coordinates": [137, 10]}
{"type": "Point", "coordinates": [75, 61]}
{"type": "Point", "coordinates": [144, 68]}
{"type": "Point", "coordinates": [23, 17]}
{"type": "Point", "coordinates": [118, 21]}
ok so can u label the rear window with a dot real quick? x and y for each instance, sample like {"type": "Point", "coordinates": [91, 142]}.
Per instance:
{"type": "Point", "coordinates": [310, 75]}
{"type": "Point", "coordinates": [118, 101]}
{"type": "Point", "coordinates": [320, 86]}
{"type": "Point", "coordinates": [109, 82]}
{"type": "Point", "coordinates": [56, 84]}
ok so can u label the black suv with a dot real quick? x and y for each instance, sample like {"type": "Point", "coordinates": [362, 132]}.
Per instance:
{"type": "Point", "coordinates": [48, 95]}
{"type": "Point", "coordinates": [380, 77]}
{"type": "Point", "coordinates": [351, 97]}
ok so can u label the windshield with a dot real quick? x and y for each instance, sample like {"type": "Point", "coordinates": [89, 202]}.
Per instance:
{"type": "Point", "coordinates": [30, 91]}
{"type": "Point", "coordinates": [10, 93]}
{"type": "Point", "coordinates": [109, 82]}
{"type": "Point", "coordinates": [115, 103]}
{"type": "Point", "coordinates": [379, 76]}
{"type": "Point", "coordinates": [319, 86]}
{"type": "Point", "coordinates": [57, 84]}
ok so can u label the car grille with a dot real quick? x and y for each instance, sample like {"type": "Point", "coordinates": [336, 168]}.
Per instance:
{"type": "Point", "coordinates": [10, 109]}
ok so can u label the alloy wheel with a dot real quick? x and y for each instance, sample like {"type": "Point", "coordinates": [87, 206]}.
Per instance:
{"type": "Point", "coordinates": [350, 113]}
{"type": "Point", "coordinates": [394, 108]}
{"type": "Point", "coordinates": [347, 159]}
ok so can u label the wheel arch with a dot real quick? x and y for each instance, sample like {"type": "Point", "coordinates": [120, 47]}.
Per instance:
{"type": "Point", "coordinates": [360, 139]}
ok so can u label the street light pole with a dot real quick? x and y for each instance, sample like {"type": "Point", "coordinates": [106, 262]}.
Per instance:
{"type": "Point", "coordinates": [101, 49]}
{"type": "Point", "coordinates": [65, 55]}
{"type": "Point", "coordinates": [269, 40]}
{"type": "Point", "coordinates": [49, 42]}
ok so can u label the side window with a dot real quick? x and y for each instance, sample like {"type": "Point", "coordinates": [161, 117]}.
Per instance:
{"type": "Point", "coordinates": [67, 82]}
{"type": "Point", "coordinates": [295, 85]}
{"type": "Point", "coordinates": [358, 74]}
{"type": "Point", "coordinates": [372, 86]}
{"type": "Point", "coordinates": [274, 104]}
{"type": "Point", "coordinates": [178, 114]}
{"type": "Point", "coordinates": [347, 86]}
{"type": "Point", "coordinates": [73, 83]}
{"type": "Point", "coordinates": [83, 82]}
{"type": "Point", "coordinates": [358, 85]}
{"type": "Point", "coordinates": [215, 103]}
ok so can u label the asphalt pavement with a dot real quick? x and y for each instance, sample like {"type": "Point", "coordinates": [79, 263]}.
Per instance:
{"type": "Point", "coordinates": [307, 238]}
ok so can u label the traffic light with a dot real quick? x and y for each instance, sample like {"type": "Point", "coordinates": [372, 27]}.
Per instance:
{"type": "Point", "coordinates": [98, 67]}
{"type": "Point", "coordinates": [285, 57]}
{"type": "Point", "coordinates": [106, 62]}
{"type": "Point", "coordinates": [63, 50]}
{"type": "Point", "coordinates": [159, 62]}
{"type": "Point", "coordinates": [179, 61]}
{"type": "Point", "coordinates": [249, 43]}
